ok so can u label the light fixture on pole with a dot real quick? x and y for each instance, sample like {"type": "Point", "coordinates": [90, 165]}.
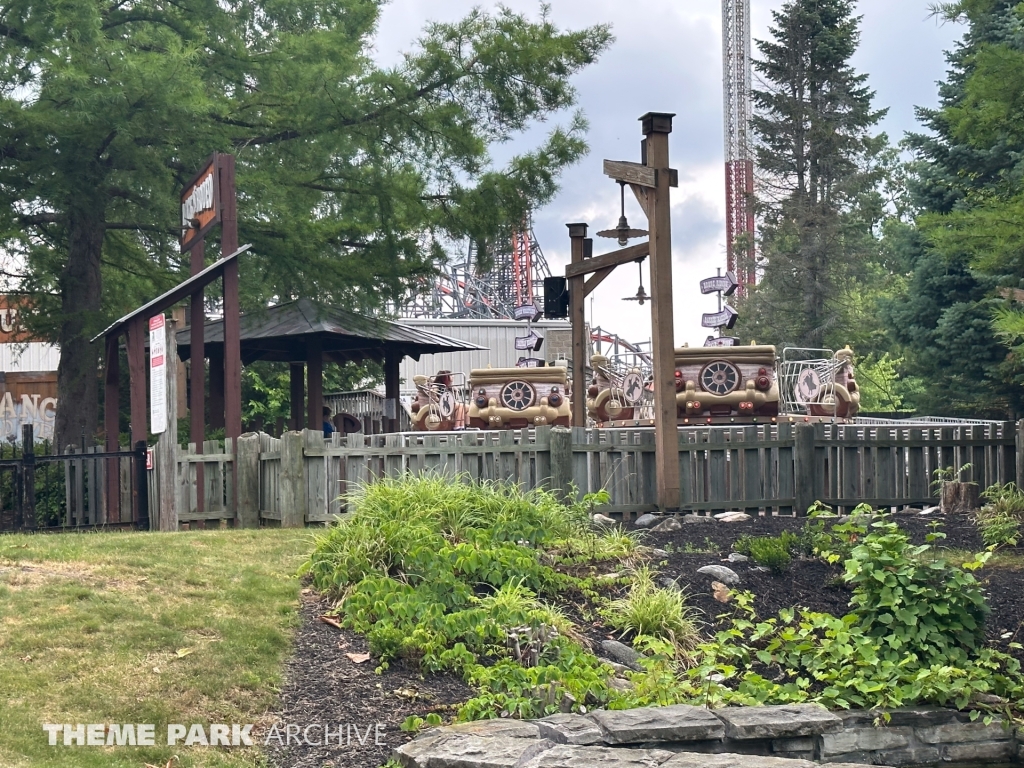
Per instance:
{"type": "Point", "coordinates": [641, 294]}
{"type": "Point", "coordinates": [622, 232]}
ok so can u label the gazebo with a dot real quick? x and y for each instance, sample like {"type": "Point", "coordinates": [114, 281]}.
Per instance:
{"type": "Point", "coordinates": [306, 336]}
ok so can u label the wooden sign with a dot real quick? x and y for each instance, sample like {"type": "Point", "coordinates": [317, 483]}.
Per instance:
{"type": "Point", "coordinates": [531, 342]}
{"type": "Point", "coordinates": [200, 204]}
{"type": "Point", "coordinates": [724, 319]}
{"type": "Point", "coordinates": [726, 284]}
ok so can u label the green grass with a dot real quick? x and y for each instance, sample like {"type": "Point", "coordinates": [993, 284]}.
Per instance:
{"type": "Point", "coordinates": [91, 627]}
{"type": "Point", "coordinates": [654, 611]}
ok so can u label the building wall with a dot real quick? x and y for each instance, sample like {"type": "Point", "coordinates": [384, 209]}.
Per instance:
{"type": "Point", "coordinates": [28, 378]}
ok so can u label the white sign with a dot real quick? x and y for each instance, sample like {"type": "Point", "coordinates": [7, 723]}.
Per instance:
{"type": "Point", "coordinates": [200, 200]}
{"type": "Point", "coordinates": [157, 375]}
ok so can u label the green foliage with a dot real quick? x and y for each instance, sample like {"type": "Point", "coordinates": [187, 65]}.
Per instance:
{"type": "Point", "coordinates": [1004, 500]}
{"type": "Point", "coordinates": [775, 552]}
{"type": "Point", "coordinates": [1000, 530]}
{"type": "Point", "coordinates": [654, 611]}
{"type": "Point", "coordinates": [883, 388]}
{"type": "Point", "coordinates": [415, 723]}
{"type": "Point", "coordinates": [442, 573]}
{"type": "Point", "coordinates": [351, 175]}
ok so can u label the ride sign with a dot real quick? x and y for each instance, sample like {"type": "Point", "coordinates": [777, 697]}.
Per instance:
{"type": "Point", "coordinates": [200, 204]}
{"type": "Point", "coordinates": [724, 319]}
{"type": "Point", "coordinates": [725, 284]}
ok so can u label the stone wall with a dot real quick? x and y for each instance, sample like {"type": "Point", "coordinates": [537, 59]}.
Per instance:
{"type": "Point", "coordinates": [733, 737]}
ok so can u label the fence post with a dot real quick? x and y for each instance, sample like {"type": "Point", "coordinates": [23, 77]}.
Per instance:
{"type": "Point", "coordinates": [247, 475]}
{"type": "Point", "coordinates": [28, 482]}
{"type": "Point", "coordinates": [803, 468]}
{"type": "Point", "coordinates": [293, 480]}
{"type": "Point", "coordinates": [1020, 454]}
{"type": "Point", "coordinates": [141, 486]}
{"type": "Point", "coordinates": [560, 445]}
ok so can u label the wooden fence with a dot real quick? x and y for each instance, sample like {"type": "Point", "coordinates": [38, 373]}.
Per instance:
{"type": "Point", "coordinates": [777, 469]}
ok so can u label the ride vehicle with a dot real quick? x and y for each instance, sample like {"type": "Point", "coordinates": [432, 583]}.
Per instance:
{"type": "Point", "coordinates": [439, 404]}
{"type": "Point", "coordinates": [513, 398]}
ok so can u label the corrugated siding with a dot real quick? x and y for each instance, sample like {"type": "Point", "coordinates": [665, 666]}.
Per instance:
{"type": "Point", "coordinates": [498, 336]}
{"type": "Point", "coordinates": [24, 358]}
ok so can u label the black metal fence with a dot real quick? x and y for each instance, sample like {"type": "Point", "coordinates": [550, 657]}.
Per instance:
{"type": "Point", "coordinates": [82, 489]}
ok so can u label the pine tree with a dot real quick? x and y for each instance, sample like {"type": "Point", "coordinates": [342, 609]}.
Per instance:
{"type": "Point", "coordinates": [350, 175]}
{"type": "Point", "coordinates": [817, 165]}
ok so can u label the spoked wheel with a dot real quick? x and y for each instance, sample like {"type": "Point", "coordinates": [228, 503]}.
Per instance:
{"type": "Point", "coordinates": [517, 395]}
{"type": "Point", "coordinates": [719, 377]}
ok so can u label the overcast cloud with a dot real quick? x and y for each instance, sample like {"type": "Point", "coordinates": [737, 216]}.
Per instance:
{"type": "Point", "coordinates": [667, 58]}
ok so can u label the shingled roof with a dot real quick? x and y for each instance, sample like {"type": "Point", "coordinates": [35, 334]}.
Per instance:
{"type": "Point", "coordinates": [281, 334]}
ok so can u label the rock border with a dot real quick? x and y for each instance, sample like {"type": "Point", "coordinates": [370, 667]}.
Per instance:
{"type": "Point", "coordinates": [680, 736]}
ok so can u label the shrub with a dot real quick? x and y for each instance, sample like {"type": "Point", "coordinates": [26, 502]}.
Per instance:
{"type": "Point", "coordinates": [999, 530]}
{"type": "Point", "coordinates": [772, 553]}
{"type": "Point", "coordinates": [655, 611]}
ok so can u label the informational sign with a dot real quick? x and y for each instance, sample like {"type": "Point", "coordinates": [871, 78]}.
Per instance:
{"type": "Point", "coordinates": [633, 388]}
{"type": "Point", "coordinates": [724, 319]}
{"type": "Point", "coordinates": [150, 461]}
{"type": "Point", "coordinates": [808, 386]}
{"type": "Point", "coordinates": [446, 404]}
{"type": "Point", "coordinates": [726, 284]}
{"type": "Point", "coordinates": [157, 375]}
{"type": "Point", "coordinates": [526, 312]}
{"type": "Point", "coordinates": [722, 341]}
{"type": "Point", "coordinates": [532, 342]}
{"type": "Point", "coordinates": [200, 204]}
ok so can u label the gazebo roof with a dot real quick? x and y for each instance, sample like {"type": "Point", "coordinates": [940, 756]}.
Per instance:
{"type": "Point", "coordinates": [281, 334]}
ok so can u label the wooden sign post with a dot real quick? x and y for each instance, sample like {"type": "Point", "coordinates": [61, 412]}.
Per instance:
{"type": "Point", "coordinates": [650, 181]}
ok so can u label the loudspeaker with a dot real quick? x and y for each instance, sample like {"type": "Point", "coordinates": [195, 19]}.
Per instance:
{"type": "Point", "coordinates": [556, 297]}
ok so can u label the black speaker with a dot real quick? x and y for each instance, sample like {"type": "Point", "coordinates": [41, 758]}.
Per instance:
{"type": "Point", "coordinates": [556, 297]}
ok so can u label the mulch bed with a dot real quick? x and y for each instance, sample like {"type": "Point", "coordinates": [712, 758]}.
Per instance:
{"type": "Point", "coordinates": [324, 686]}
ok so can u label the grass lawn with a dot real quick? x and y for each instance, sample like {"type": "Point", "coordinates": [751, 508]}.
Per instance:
{"type": "Point", "coordinates": [158, 628]}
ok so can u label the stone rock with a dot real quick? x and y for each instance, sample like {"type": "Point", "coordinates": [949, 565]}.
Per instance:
{"type": "Point", "coordinates": [865, 739]}
{"type": "Point", "coordinates": [989, 699]}
{"type": "Point", "coordinates": [566, 756]}
{"type": "Point", "coordinates": [667, 525]}
{"type": "Point", "coordinates": [916, 756]}
{"type": "Point", "coordinates": [689, 519]}
{"type": "Point", "coordinates": [604, 521]}
{"type": "Point", "coordinates": [448, 750]}
{"type": "Point", "coordinates": [619, 668]}
{"type": "Point", "coordinates": [646, 521]}
{"type": "Point", "coordinates": [570, 729]}
{"type": "Point", "coordinates": [621, 653]}
{"type": "Point", "coordinates": [736, 557]}
{"type": "Point", "coordinates": [676, 723]}
{"type": "Point", "coordinates": [720, 573]}
{"type": "Point", "coordinates": [978, 752]}
{"type": "Point", "coordinates": [620, 684]}
{"type": "Point", "coordinates": [658, 553]}
{"type": "Point", "coordinates": [777, 722]}
{"type": "Point", "coordinates": [515, 729]}
{"type": "Point", "coordinates": [801, 744]}
{"type": "Point", "coordinates": [729, 760]}
{"type": "Point", "coordinates": [961, 732]}
{"type": "Point", "coordinates": [720, 592]}
{"type": "Point", "coordinates": [928, 511]}
{"type": "Point", "coordinates": [668, 583]}
{"type": "Point", "coordinates": [759, 569]}
{"type": "Point", "coordinates": [733, 517]}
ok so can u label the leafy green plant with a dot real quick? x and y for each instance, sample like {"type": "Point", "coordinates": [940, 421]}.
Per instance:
{"type": "Point", "coordinates": [948, 474]}
{"type": "Point", "coordinates": [1003, 501]}
{"type": "Point", "coordinates": [656, 611]}
{"type": "Point", "coordinates": [772, 553]}
{"type": "Point", "coordinates": [999, 530]}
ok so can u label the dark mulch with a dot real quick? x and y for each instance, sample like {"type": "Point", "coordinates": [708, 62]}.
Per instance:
{"type": "Point", "coordinates": [324, 687]}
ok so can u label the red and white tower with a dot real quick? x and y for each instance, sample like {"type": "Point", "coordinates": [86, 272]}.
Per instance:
{"type": "Point", "coordinates": [739, 159]}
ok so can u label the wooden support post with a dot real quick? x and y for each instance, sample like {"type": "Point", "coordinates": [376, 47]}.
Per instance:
{"type": "Point", "coordinates": [179, 315]}
{"type": "Point", "coordinates": [28, 482]}
{"type": "Point", "coordinates": [297, 373]}
{"type": "Point", "coordinates": [292, 487]}
{"type": "Point", "coordinates": [656, 127]}
{"type": "Point", "coordinates": [577, 316]}
{"type": "Point", "coordinates": [232, 312]}
{"type": "Point", "coordinates": [111, 423]}
{"type": "Point", "coordinates": [560, 446]}
{"type": "Point", "coordinates": [392, 359]}
{"type": "Point", "coordinates": [197, 354]}
{"type": "Point", "coordinates": [137, 374]}
{"type": "Point", "coordinates": [216, 398]}
{"type": "Point", "coordinates": [803, 468]}
{"type": "Point", "coordinates": [314, 383]}
{"type": "Point", "coordinates": [166, 453]}
{"type": "Point", "coordinates": [247, 473]}
{"type": "Point", "coordinates": [1020, 454]}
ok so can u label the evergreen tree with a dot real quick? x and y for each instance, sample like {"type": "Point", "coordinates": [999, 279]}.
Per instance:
{"type": "Point", "coordinates": [350, 175]}
{"type": "Point", "coordinates": [818, 168]}
{"type": "Point", "coordinates": [968, 193]}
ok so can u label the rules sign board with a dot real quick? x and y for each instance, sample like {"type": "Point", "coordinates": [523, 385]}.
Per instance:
{"type": "Point", "coordinates": [157, 375]}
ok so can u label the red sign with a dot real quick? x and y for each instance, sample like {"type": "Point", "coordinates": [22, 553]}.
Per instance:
{"type": "Point", "coordinates": [149, 458]}
{"type": "Point", "coordinates": [200, 204]}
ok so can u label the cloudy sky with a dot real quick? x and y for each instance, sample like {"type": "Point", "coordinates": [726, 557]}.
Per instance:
{"type": "Point", "coordinates": [667, 58]}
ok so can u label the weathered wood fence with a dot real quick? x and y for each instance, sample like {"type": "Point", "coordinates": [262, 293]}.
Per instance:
{"type": "Point", "coordinates": [779, 469]}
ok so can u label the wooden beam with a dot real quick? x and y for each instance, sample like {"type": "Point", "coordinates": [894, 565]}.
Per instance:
{"type": "Point", "coordinates": [137, 331]}
{"type": "Point", "coordinates": [392, 384]}
{"type": "Point", "coordinates": [314, 383]}
{"type": "Point", "coordinates": [296, 374]}
{"type": "Point", "coordinates": [631, 173]}
{"type": "Point", "coordinates": [1013, 294]}
{"type": "Point", "coordinates": [111, 427]}
{"type": "Point", "coordinates": [641, 197]}
{"type": "Point", "coordinates": [656, 128]}
{"type": "Point", "coordinates": [577, 317]}
{"type": "Point", "coordinates": [613, 259]}
{"type": "Point", "coordinates": [232, 310]}
{"type": "Point", "coordinates": [596, 279]}
{"type": "Point", "coordinates": [197, 360]}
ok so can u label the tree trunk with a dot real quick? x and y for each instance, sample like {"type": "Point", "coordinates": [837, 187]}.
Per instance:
{"type": "Point", "coordinates": [81, 293]}
{"type": "Point", "coordinates": [959, 498]}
